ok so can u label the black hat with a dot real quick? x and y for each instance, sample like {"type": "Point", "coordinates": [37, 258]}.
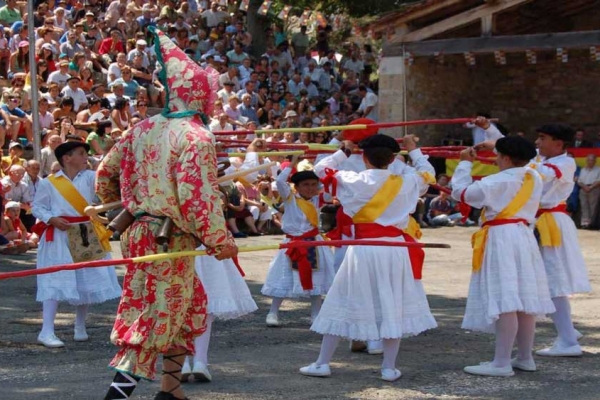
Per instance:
{"type": "Point", "coordinates": [558, 131]}
{"type": "Point", "coordinates": [379, 140]}
{"type": "Point", "coordinates": [516, 147]}
{"type": "Point", "coordinates": [66, 147]}
{"type": "Point", "coordinates": [303, 176]}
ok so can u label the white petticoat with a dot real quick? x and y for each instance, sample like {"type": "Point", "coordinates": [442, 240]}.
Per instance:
{"type": "Point", "coordinates": [512, 278]}
{"type": "Point", "coordinates": [83, 286]}
{"type": "Point", "coordinates": [228, 293]}
{"type": "Point", "coordinates": [565, 268]}
{"type": "Point", "coordinates": [374, 296]}
{"type": "Point", "coordinates": [283, 281]}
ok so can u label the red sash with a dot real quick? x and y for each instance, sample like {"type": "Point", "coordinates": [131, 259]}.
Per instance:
{"type": "Point", "coordinates": [373, 230]}
{"type": "Point", "coordinates": [42, 227]}
{"type": "Point", "coordinates": [559, 208]}
{"type": "Point", "coordinates": [299, 255]}
{"type": "Point", "coordinates": [343, 225]}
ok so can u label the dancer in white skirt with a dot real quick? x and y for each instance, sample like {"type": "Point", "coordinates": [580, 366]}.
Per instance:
{"type": "Point", "coordinates": [377, 293]}
{"type": "Point", "coordinates": [304, 272]}
{"type": "Point", "coordinates": [56, 211]}
{"type": "Point", "coordinates": [228, 298]}
{"type": "Point", "coordinates": [565, 267]}
{"type": "Point", "coordinates": [508, 285]}
{"type": "Point", "coordinates": [344, 226]}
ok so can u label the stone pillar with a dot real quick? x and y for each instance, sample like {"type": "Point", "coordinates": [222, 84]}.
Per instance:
{"type": "Point", "coordinates": [391, 93]}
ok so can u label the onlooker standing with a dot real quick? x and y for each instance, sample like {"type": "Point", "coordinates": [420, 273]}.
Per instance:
{"type": "Point", "coordinates": [368, 104]}
{"type": "Point", "coordinates": [589, 183]}
{"type": "Point", "coordinates": [300, 42]}
{"type": "Point", "coordinates": [579, 141]}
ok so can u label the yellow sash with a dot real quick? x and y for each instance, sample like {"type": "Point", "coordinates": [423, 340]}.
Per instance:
{"type": "Point", "coordinates": [79, 203]}
{"type": "Point", "coordinates": [479, 239]}
{"type": "Point", "coordinates": [428, 178]}
{"type": "Point", "coordinates": [548, 230]}
{"type": "Point", "coordinates": [413, 228]}
{"type": "Point", "coordinates": [309, 210]}
{"type": "Point", "coordinates": [380, 201]}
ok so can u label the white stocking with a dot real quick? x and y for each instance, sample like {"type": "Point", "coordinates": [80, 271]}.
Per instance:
{"type": "Point", "coordinates": [315, 306]}
{"type": "Point", "coordinates": [525, 335]}
{"type": "Point", "coordinates": [275, 304]}
{"type": "Point", "coordinates": [49, 307]}
{"type": "Point", "coordinates": [390, 352]}
{"type": "Point", "coordinates": [202, 342]}
{"type": "Point", "coordinates": [562, 321]}
{"type": "Point", "coordinates": [328, 347]}
{"type": "Point", "coordinates": [80, 316]}
{"type": "Point", "coordinates": [506, 332]}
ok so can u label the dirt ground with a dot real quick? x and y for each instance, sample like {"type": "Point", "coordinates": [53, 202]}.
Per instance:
{"type": "Point", "coordinates": [250, 361]}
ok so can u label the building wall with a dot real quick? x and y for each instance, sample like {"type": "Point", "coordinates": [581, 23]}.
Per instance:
{"type": "Point", "coordinates": [523, 96]}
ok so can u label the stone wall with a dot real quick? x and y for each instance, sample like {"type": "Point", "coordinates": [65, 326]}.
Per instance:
{"type": "Point", "coordinates": [523, 96]}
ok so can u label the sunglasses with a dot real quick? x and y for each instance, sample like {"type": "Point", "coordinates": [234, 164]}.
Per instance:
{"type": "Point", "coordinates": [142, 105]}
{"type": "Point", "coordinates": [14, 100]}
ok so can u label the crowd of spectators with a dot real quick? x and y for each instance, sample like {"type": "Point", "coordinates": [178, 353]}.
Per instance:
{"type": "Point", "coordinates": [97, 75]}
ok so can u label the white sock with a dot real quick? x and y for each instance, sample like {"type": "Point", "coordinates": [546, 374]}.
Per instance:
{"type": "Point", "coordinates": [328, 347]}
{"type": "Point", "coordinates": [525, 335]}
{"type": "Point", "coordinates": [275, 304]}
{"type": "Point", "coordinates": [202, 342]}
{"type": "Point", "coordinates": [49, 307]}
{"type": "Point", "coordinates": [506, 332]}
{"type": "Point", "coordinates": [390, 352]}
{"type": "Point", "coordinates": [563, 323]}
{"type": "Point", "coordinates": [315, 306]}
{"type": "Point", "coordinates": [80, 316]}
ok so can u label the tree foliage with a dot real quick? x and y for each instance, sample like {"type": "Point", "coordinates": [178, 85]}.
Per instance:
{"type": "Point", "coordinates": [354, 8]}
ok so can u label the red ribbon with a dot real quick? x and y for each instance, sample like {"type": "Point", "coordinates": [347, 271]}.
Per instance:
{"type": "Point", "coordinates": [559, 208]}
{"type": "Point", "coordinates": [41, 227]}
{"type": "Point", "coordinates": [557, 170]}
{"type": "Point", "coordinates": [330, 181]}
{"type": "Point", "coordinates": [238, 266]}
{"type": "Point", "coordinates": [373, 230]}
{"type": "Point", "coordinates": [299, 255]}
{"type": "Point", "coordinates": [343, 226]}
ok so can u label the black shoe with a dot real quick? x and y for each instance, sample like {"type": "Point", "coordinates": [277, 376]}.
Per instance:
{"type": "Point", "coordinates": [239, 235]}
{"type": "Point", "coordinates": [167, 396]}
{"type": "Point", "coordinates": [255, 234]}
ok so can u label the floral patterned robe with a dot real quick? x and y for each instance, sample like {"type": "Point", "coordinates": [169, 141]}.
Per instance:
{"type": "Point", "coordinates": [165, 166]}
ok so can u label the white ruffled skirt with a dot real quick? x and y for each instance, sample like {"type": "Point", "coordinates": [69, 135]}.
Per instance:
{"type": "Point", "coordinates": [512, 278]}
{"type": "Point", "coordinates": [227, 292]}
{"type": "Point", "coordinates": [565, 267]}
{"type": "Point", "coordinates": [374, 296]}
{"type": "Point", "coordinates": [283, 281]}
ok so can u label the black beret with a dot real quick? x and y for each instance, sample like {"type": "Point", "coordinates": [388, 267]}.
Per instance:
{"type": "Point", "coordinates": [558, 131]}
{"type": "Point", "coordinates": [516, 147]}
{"type": "Point", "coordinates": [66, 147]}
{"type": "Point", "coordinates": [379, 140]}
{"type": "Point", "coordinates": [303, 176]}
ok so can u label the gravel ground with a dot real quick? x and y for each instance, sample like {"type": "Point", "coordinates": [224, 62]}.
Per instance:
{"type": "Point", "coordinates": [250, 361]}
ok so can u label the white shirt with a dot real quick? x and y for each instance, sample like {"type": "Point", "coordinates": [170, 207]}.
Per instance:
{"type": "Point", "coordinates": [113, 69]}
{"type": "Point", "coordinates": [58, 78]}
{"type": "Point", "coordinates": [369, 100]}
{"type": "Point", "coordinates": [18, 192]}
{"type": "Point", "coordinates": [588, 176]}
{"type": "Point", "coordinates": [558, 176]}
{"type": "Point", "coordinates": [78, 96]}
{"type": "Point", "coordinates": [495, 192]}
{"type": "Point", "coordinates": [357, 66]}
{"type": "Point", "coordinates": [215, 126]}
{"type": "Point", "coordinates": [482, 135]}
{"type": "Point", "coordinates": [293, 221]}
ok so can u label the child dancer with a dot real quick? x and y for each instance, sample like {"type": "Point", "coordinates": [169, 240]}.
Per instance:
{"type": "Point", "coordinates": [299, 272]}
{"type": "Point", "coordinates": [565, 267]}
{"type": "Point", "coordinates": [508, 285]}
{"type": "Point", "coordinates": [376, 293]}
{"type": "Point", "coordinates": [228, 298]}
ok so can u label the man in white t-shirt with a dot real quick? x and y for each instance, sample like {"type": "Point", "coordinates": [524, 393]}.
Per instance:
{"type": "Point", "coordinates": [114, 69]}
{"type": "Point", "coordinates": [213, 16]}
{"type": "Point", "coordinates": [76, 93]}
{"type": "Point", "coordinates": [368, 104]}
{"type": "Point", "coordinates": [589, 190]}
{"type": "Point", "coordinates": [354, 64]}
{"type": "Point", "coordinates": [61, 75]}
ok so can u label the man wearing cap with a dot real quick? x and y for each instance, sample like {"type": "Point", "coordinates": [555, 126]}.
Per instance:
{"type": "Point", "coordinates": [140, 48]}
{"type": "Point", "coordinates": [61, 75]}
{"type": "Point", "coordinates": [508, 283]}
{"type": "Point", "coordinates": [291, 120]}
{"type": "Point", "coordinates": [71, 46]}
{"type": "Point", "coordinates": [76, 93]}
{"type": "Point", "coordinates": [58, 204]}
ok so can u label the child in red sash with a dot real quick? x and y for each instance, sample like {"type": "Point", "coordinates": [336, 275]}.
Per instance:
{"type": "Point", "coordinates": [377, 293]}
{"type": "Point", "coordinates": [299, 272]}
{"type": "Point", "coordinates": [508, 286]}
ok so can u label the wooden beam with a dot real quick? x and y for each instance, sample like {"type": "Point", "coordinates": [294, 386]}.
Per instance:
{"type": "Point", "coordinates": [459, 20]}
{"type": "Point", "coordinates": [542, 41]}
{"type": "Point", "coordinates": [409, 15]}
